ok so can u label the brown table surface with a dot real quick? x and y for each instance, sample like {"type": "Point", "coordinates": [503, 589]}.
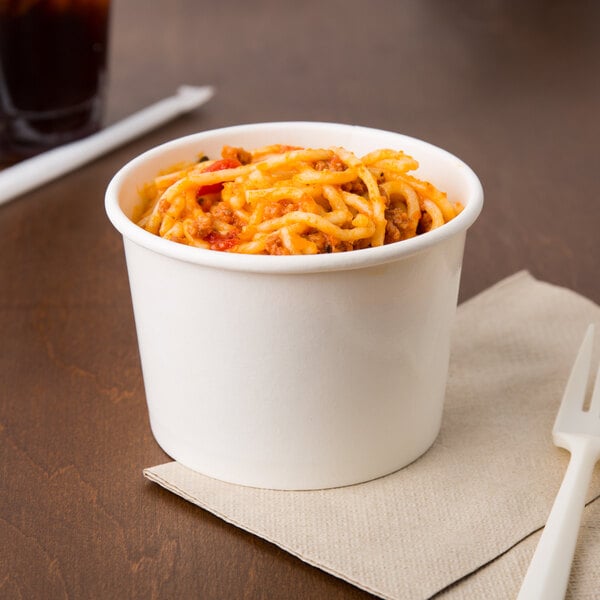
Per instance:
{"type": "Point", "coordinates": [512, 88]}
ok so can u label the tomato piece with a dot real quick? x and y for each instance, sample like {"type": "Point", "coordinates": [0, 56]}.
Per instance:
{"type": "Point", "coordinates": [218, 165]}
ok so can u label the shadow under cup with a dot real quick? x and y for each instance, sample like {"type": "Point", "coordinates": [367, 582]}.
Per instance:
{"type": "Point", "coordinates": [295, 372]}
{"type": "Point", "coordinates": [53, 56]}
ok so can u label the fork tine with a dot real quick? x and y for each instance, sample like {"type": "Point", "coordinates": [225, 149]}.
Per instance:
{"type": "Point", "coordinates": [595, 401]}
{"type": "Point", "coordinates": [577, 384]}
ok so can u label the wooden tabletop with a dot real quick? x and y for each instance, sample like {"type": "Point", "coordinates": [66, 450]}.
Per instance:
{"type": "Point", "coordinates": [511, 88]}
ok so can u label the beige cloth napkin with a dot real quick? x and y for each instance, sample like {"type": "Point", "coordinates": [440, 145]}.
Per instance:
{"type": "Point", "coordinates": [458, 522]}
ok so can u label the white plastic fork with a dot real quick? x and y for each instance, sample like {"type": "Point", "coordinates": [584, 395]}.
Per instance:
{"type": "Point", "coordinates": [578, 431]}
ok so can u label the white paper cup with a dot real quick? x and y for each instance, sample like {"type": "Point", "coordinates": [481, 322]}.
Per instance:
{"type": "Point", "coordinates": [295, 372]}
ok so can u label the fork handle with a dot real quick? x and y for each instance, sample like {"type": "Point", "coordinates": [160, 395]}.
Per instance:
{"type": "Point", "coordinates": [548, 573]}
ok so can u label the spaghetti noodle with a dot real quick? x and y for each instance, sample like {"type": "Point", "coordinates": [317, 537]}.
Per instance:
{"type": "Point", "coordinates": [289, 200]}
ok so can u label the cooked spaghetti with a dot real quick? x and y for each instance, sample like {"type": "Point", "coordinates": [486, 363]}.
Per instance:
{"type": "Point", "coordinates": [289, 200]}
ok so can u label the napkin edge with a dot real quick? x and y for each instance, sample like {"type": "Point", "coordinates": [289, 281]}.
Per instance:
{"type": "Point", "coordinates": [507, 281]}
{"type": "Point", "coordinates": [151, 474]}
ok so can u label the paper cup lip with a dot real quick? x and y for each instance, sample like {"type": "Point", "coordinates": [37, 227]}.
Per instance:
{"type": "Point", "coordinates": [473, 203]}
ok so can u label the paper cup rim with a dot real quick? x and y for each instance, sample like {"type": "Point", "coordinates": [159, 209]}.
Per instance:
{"type": "Point", "coordinates": [473, 203]}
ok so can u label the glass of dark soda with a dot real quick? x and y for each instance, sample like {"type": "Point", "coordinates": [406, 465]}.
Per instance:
{"type": "Point", "coordinates": [53, 56]}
